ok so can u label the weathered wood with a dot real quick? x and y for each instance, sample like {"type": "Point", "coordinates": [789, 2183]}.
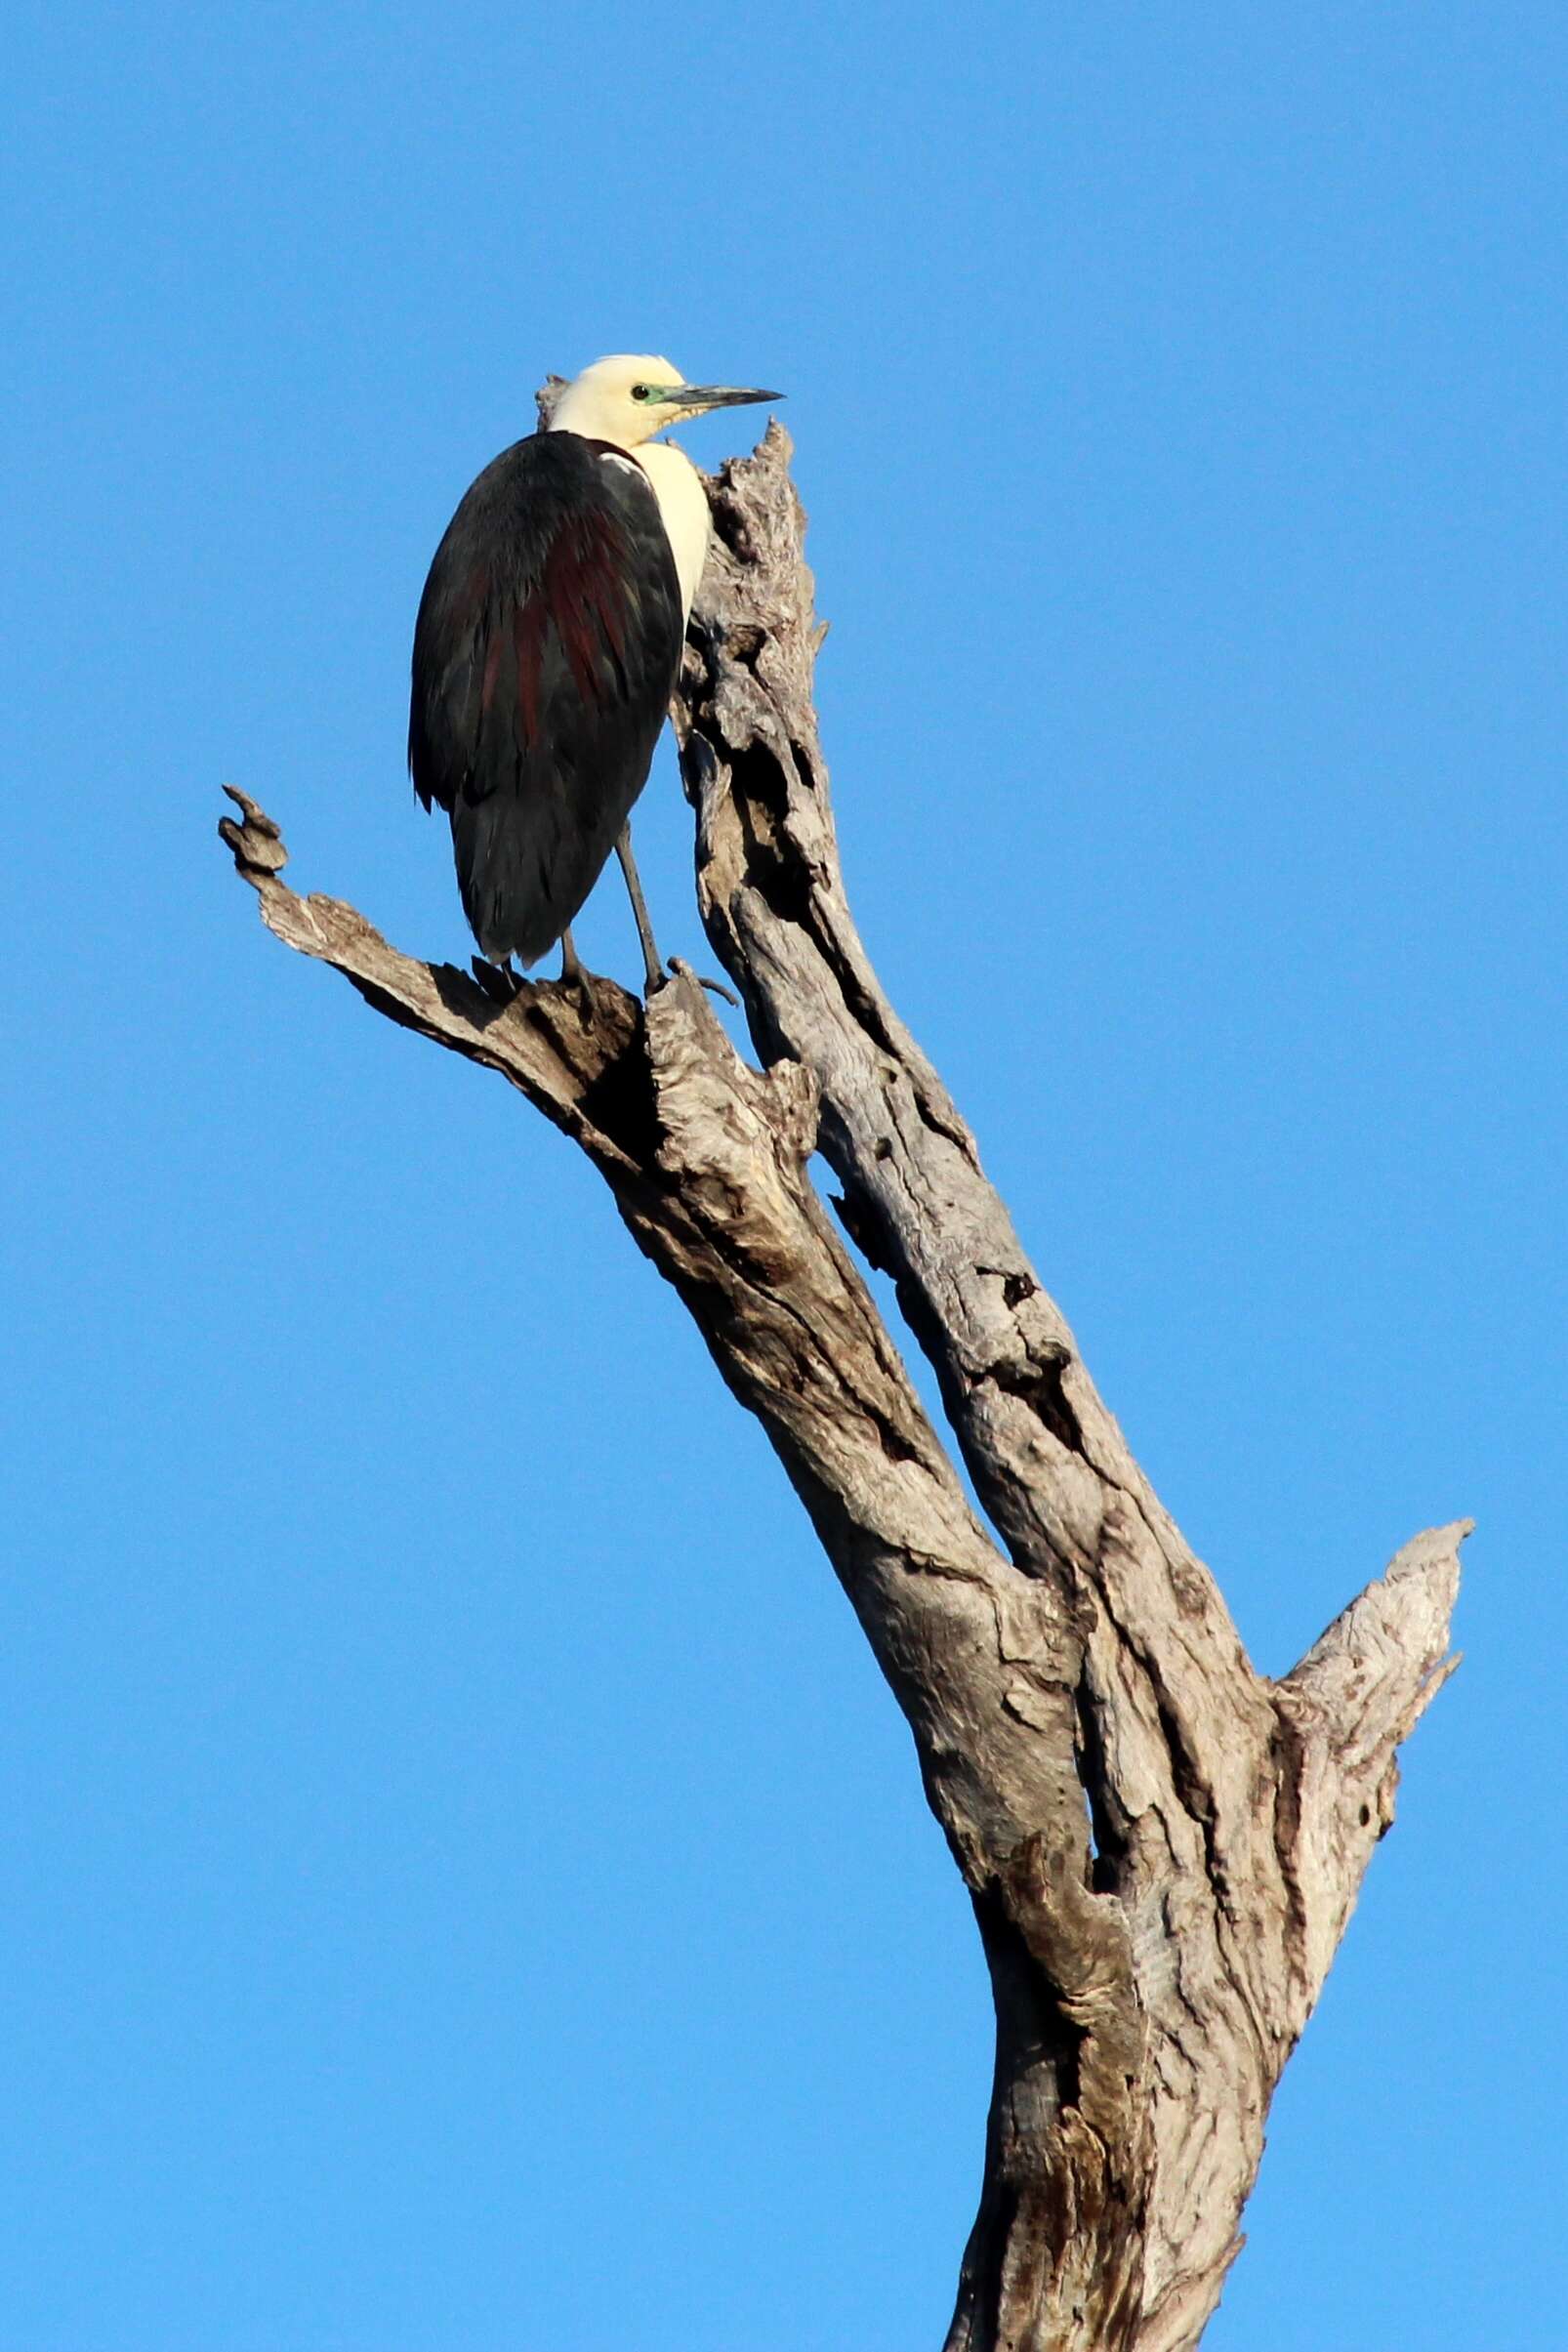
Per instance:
{"type": "Point", "coordinates": [1162, 1846]}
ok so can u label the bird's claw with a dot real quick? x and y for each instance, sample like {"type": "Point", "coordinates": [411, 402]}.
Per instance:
{"type": "Point", "coordinates": [576, 981]}
{"type": "Point", "coordinates": [498, 980]}
{"type": "Point", "coordinates": [683, 972]}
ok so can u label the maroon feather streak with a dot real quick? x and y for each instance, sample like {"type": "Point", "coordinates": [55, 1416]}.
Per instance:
{"type": "Point", "coordinates": [582, 583]}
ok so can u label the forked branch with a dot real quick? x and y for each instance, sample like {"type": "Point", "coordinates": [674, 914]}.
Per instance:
{"type": "Point", "coordinates": [1151, 1971]}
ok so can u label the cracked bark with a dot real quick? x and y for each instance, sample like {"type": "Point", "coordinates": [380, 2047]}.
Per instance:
{"type": "Point", "coordinates": [1162, 1846]}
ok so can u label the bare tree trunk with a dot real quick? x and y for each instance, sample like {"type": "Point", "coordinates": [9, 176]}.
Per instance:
{"type": "Point", "coordinates": [1163, 1847]}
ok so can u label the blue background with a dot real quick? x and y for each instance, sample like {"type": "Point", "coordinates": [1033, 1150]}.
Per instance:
{"type": "Point", "coordinates": [464, 1882]}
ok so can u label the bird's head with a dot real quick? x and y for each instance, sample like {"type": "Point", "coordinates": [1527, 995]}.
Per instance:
{"type": "Point", "coordinates": [627, 399]}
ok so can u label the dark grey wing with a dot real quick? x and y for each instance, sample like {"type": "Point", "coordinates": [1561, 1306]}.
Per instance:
{"type": "Point", "coordinates": [547, 645]}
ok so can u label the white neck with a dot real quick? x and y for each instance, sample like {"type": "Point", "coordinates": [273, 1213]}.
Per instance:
{"type": "Point", "coordinates": [683, 504]}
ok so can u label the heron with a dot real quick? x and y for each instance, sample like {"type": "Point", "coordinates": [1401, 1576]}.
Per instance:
{"type": "Point", "coordinates": [546, 651]}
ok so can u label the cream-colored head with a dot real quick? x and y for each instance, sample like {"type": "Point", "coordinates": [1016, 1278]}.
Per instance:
{"type": "Point", "coordinates": [627, 399]}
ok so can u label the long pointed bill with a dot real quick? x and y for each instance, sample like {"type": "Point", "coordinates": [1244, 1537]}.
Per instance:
{"type": "Point", "coordinates": [711, 396]}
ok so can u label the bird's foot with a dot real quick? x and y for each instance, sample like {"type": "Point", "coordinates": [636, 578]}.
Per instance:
{"type": "Point", "coordinates": [579, 985]}
{"type": "Point", "coordinates": [577, 981]}
{"type": "Point", "coordinates": [498, 980]}
{"type": "Point", "coordinates": [683, 972]}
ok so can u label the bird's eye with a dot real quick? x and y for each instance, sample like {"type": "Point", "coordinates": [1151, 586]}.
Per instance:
{"type": "Point", "coordinates": [641, 392]}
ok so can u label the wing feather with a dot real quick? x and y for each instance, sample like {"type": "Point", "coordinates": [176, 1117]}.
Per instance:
{"type": "Point", "coordinates": [545, 648]}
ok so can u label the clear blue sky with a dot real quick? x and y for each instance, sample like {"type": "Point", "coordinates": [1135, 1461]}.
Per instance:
{"type": "Point", "coordinates": [465, 1882]}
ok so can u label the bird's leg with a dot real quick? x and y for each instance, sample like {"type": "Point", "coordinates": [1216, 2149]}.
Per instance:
{"type": "Point", "coordinates": [652, 968]}
{"type": "Point", "coordinates": [574, 975]}
{"type": "Point", "coordinates": [650, 953]}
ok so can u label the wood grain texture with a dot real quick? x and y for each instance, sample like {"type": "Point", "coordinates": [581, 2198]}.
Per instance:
{"type": "Point", "coordinates": [1162, 1846]}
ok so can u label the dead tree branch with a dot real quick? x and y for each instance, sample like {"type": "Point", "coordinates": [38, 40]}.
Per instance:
{"type": "Point", "coordinates": [1163, 1847]}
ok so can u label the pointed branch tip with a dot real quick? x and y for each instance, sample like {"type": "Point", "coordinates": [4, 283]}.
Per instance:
{"type": "Point", "coordinates": [257, 842]}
